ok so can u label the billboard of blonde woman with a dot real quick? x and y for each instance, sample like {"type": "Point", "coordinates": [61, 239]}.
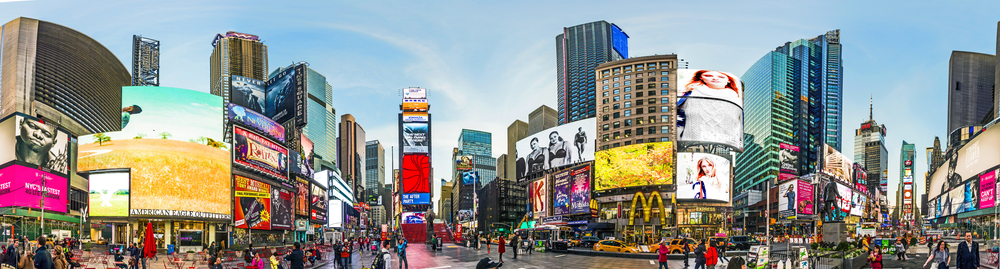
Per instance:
{"type": "Point", "coordinates": [709, 108]}
{"type": "Point", "coordinates": [703, 176]}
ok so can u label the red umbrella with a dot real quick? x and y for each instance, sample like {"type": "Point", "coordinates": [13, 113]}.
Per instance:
{"type": "Point", "coordinates": [149, 244]}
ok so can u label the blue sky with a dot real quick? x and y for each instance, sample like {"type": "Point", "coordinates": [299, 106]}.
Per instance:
{"type": "Point", "coordinates": [487, 64]}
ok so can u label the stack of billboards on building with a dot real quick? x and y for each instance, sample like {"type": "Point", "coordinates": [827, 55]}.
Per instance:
{"type": "Point", "coordinates": [414, 177]}
{"type": "Point", "coordinates": [963, 189]}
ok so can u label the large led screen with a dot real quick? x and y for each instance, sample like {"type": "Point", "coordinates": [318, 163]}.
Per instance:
{"type": "Point", "coordinates": [987, 189]}
{"type": "Point", "coordinates": [281, 209]}
{"type": "Point", "coordinates": [414, 93]}
{"type": "Point", "coordinates": [580, 175]}
{"type": "Point", "coordinates": [415, 105]}
{"type": "Point", "coordinates": [257, 122]}
{"type": "Point", "coordinates": [703, 176]}
{"type": "Point", "coordinates": [709, 108]}
{"type": "Point", "coordinates": [470, 177]}
{"type": "Point", "coordinates": [413, 217]}
{"type": "Point", "coordinates": [415, 138]}
{"type": "Point", "coordinates": [252, 203]}
{"type": "Point", "coordinates": [973, 158]}
{"type": "Point", "coordinates": [634, 165]}
{"type": "Point", "coordinates": [109, 193]}
{"type": "Point", "coordinates": [306, 149]}
{"type": "Point", "coordinates": [319, 198]}
{"type": "Point", "coordinates": [37, 144]}
{"type": "Point", "coordinates": [786, 198]}
{"type": "Point", "coordinates": [247, 92]}
{"type": "Point", "coordinates": [836, 164]}
{"type": "Point", "coordinates": [539, 196]}
{"type": "Point", "coordinates": [415, 174]}
{"type": "Point", "coordinates": [556, 147]}
{"type": "Point", "coordinates": [22, 186]}
{"type": "Point", "coordinates": [257, 153]}
{"type": "Point", "coordinates": [280, 91]}
{"type": "Point", "coordinates": [302, 199]}
{"type": "Point", "coordinates": [788, 159]}
{"type": "Point", "coordinates": [560, 192]}
{"type": "Point", "coordinates": [967, 196]}
{"type": "Point", "coordinates": [804, 200]}
{"type": "Point", "coordinates": [857, 204]}
{"type": "Point", "coordinates": [415, 117]}
{"type": "Point", "coordinates": [173, 143]}
{"type": "Point", "coordinates": [836, 200]}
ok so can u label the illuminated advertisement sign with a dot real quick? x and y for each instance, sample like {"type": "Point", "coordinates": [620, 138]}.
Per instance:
{"type": "Point", "coordinates": [788, 158]}
{"type": "Point", "coordinates": [464, 162]}
{"type": "Point", "coordinates": [619, 41]}
{"type": "Point", "coordinates": [836, 164]}
{"type": "Point", "coordinates": [415, 105]}
{"type": "Point", "coordinates": [560, 192]}
{"type": "Point", "coordinates": [580, 175]}
{"type": "Point", "coordinates": [415, 138]}
{"type": "Point", "coordinates": [856, 204]}
{"type": "Point", "coordinates": [303, 198]}
{"type": "Point", "coordinates": [306, 150]}
{"type": "Point", "coordinates": [258, 122]}
{"type": "Point", "coordinates": [836, 200]}
{"type": "Point", "coordinates": [260, 154]}
{"type": "Point", "coordinates": [976, 156]}
{"type": "Point", "coordinates": [416, 199]}
{"type": "Point", "coordinates": [786, 199]}
{"type": "Point", "coordinates": [539, 196]}
{"type": "Point", "coordinates": [804, 200]}
{"type": "Point", "coordinates": [634, 165]}
{"type": "Point", "coordinates": [703, 176]}
{"type": "Point", "coordinates": [301, 116]}
{"type": "Point", "coordinates": [253, 203]}
{"type": "Point", "coordinates": [109, 193]}
{"type": "Point", "coordinates": [709, 108]}
{"type": "Point", "coordinates": [468, 178]}
{"type": "Point", "coordinates": [22, 186]}
{"type": "Point", "coordinates": [281, 209]}
{"type": "Point", "coordinates": [413, 217]}
{"type": "Point", "coordinates": [37, 144]}
{"type": "Point", "coordinates": [280, 91]}
{"type": "Point", "coordinates": [414, 93]}
{"type": "Point", "coordinates": [556, 147]}
{"type": "Point", "coordinates": [247, 92]}
{"type": "Point", "coordinates": [415, 117]}
{"type": "Point", "coordinates": [320, 202]}
{"type": "Point", "coordinates": [987, 189]}
{"type": "Point", "coordinates": [172, 143]}
{"type": "Point", "coordinates": [415, 174]}
{"type": "Point", "coordinates": [966, 196]}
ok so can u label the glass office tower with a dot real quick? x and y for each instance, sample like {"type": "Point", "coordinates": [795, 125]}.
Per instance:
{"type": "Point", "coordinates": [579, 49]}
{"type": "Point", "coordinates": [479, 144]}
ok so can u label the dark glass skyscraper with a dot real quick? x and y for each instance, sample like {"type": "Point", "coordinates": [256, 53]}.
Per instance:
{"type": "Point", "coordinates": [479, 145]}
{"type": "Point", "coordinates": [579, 49]}
{"type": "Point", "coordinates": [793, 96]}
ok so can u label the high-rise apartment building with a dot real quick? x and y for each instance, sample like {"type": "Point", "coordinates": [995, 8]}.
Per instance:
{"type": "Point", "coordinates": [579, 49]}
{"type": "Point", "coordinates": [792, 96]}
{"type": "Point", "coordinates": [60, 75]}
{"type": "Point", "coordinates": [145, 61]}
{"type": "Point", "coordinates": [970, 90]}
{"type": "Point", "coordinates": [374, 171]}
{"type": "Point", "coordinates": [870, 152]}
{"type": "Point", "coordinates": [635, 101]}
{"type": "Point", "coordinates": [479, 145]}
{"type": "Point", "coordinates": [351, 159]}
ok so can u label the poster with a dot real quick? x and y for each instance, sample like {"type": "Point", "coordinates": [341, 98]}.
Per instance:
{"type": "Point", "coordinates": [281, 209]}
{"type": "Point", "coordinates": [302, 196]}
{"type": "Point", "coordinates": [788, 158]}
{"type": "Point", "coordinates": [280, 101]}
{"type": "Point", "coordinates": [804, 201]}
{"type": "Point", "coordinates": [786, 198]}
{"type": "Point", "coordinates": [247, 92]}
{"type": "Point", "coordinates": [709, 108]}
{"type": "Point", "coordinates": [257, 153]}
{"type": "Point", "coordinates": [253, 203]}
{"type": "Point", "coordinates": [256, 121]}
{"type": "Point", "coordinates": [555, 147]}
{"type": "Point", "coordinates": [539, 191]}
{"type": "Point", "coordinates": [560, 191]}
{"type": "Point", "coordinates": [580, 176]}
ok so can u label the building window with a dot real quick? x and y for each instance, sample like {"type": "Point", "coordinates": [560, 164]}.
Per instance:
{"type": "Point", "coordinates": [615, 78]}
{"type": "Point", "coordinates": [638, 120]}
{"type": "Point", "coordinates": [616, 106]}
{"type": "Point", "coordinates": [616, 84]}
{"type": "Point", "coordinates": [664, 73]}
{"type": "Point", "coordinates": [663, 118]}
{"type": "Point", "coordinates": [652, 109]}
{"type": "Point", "coordinates": [604, 101]}
{"type": "Point", "coordinates": [604, 82]}
{"type": "Point", "coordinates": [664, 139]}
{"type": "Point", "coordinates": [605, 146]}
{"type": "Point", "coordinates": [628, 89]}
{"type": "Point", "coordinates": [605, 87]}
{"type": "Point", "coordinates": [665, 129]}
{"type": "Point", "coordinates": [651, 93]}
{"type": "Point", "coordinates": [639, 75]}
{"type": "Point", "coordinates": [628, 133]}
{"type": "Point", "coordinates": [638, 111]}
{"type": "Point", "coordinates": [628, 96]}
{"type": "Point", "coordinates": [638, 131]}
{"type": "Point", "coordinates": [664, 85]}
{"type": "Point", "coordinates": [652, 130]}
{"type": "Point", "coordinates": [638, 94]}
{"type": "Point", "coordinates": [616, 115]}
{"type": "Point", "coordinates": [652, 119]}
{"type": "Point", "coordinates": [617, 124]}
{"type": "Point", "coordinates": [628, 76]}
{"type": "Point", "coordinates": [629, 104]}
{"type": "Point", "coordinates": [665, 92]}
{"type": "Point", "coordinates": [616, 91]}
{"type": "Point", "coordinates": [664, 100]}
{"type": "Point", "coordinates": [638, 80]}
{"type": "Point", "coordinates": [638, 87]}
{"type": "Point", "coordinates": [628, 122]}
{"type": "Point", "coordinates": [627, 82]}
{"type": "Point", "coordinates": [648, 101]}
{"type": "Point", "coordinates": [651, 79]}
{"type": "Point", "coordinates": [628, 113]}
{"type": "Point", "coordinates": [651, 86]}
{"type": "Point", "coordinates": [605, 138]}
{"type": "Point", "coordinates": [604, 118]}
{"type": "Point", "coordinates": [638, 141]}
{"type": "Point", "coordinates": [605, 127]}
{"type": "Point", "coordinates": [664, 64]}
{"type": "Point", "coordinates": [616, 145]}
{"type": "Point", "coordinates": [616, 98]}
{"type": "Point", "coordinates": [638, 102]}
{"type": "Point", "coordinates": [616, 135]}
{"type": "Point", "coordinates": [664, 109]}
{"type": "Point", "coordinates": [605, 94]}
{"type": "Point", "coordinates": [605, 108]}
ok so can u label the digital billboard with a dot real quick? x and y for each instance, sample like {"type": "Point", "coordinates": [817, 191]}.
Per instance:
{"type": "Point", "coordinates": [857, 204]}
{"type": "Point", "coordinates": [788, 159]}
{"type": "Point", "coordinates": [253, 203]}
{"type": "Point", "coordinates": [414, 93]}
{"type": "Point", "coordinates": [580, 176]}
{"type": "Point", "coordinates": [703, 176]}
{"type": "Point", "coordinates": [634, 165]}
{"type": "Point", "coordinates": [257, 153]}
{"type": "Point", "coordinates": [22, 186]}
{"type": "Point", "coordinates": [413, 217]}
{"type": "Point", "coordinates": [415, 117]}
{"type": "Point", "coordinates": [280, 101]}
{"type": "Point", "coordinates": [256, 121]}
{"type": "Point", "coordinates": [415, 173]}
{"type": "Point", "coordinates": [804, 202]}
{"type": "Point", "coordinates": [39, 145]}
{"type": "Point", "coordinates": [247, 92]}
{"type": "Point", "coordinates": [302, 198]}
{"type": "Point", "coordinates": [470, 177]}
{"type": "Point", "coordinates": [619, 41]}
{"type": "Point", "coordinates": [967, 197]}
{"type": "Point", "coordinates": [709, 108]}
{"type": "Point", "coordinates": [320, 202]}
{"type": "Point", "coordinates": [109, 193]}
{"type": "Point", "coordinates": [836, 164]}
{"type": "Point", "coordinates": [987, 189]}
{"type": "Point", "coordinates": [306, 149]}
{"type": "Point", "coordinates": [561, 192]}
{"type": "Point", "coordinates": [415, 138]}
{"type": "Point", "coordinates": [464, 162]}
{"type": "Point", "coordinates": [786, 198]}
{"type": "Point", "coordinates": [539, 196]}
{"type": "Point", "coordinates": [976, 156]}
{"type": "Point", "coordinates": [415, 105]}
{"type": "Point", "coordinates": [301, 113]}
{"type": "Point", "coordinates": [281, 209]}
{"type": "Point", "coordinates": [556, 147]}
{"type": "Point", "coordinates": [174, 147]}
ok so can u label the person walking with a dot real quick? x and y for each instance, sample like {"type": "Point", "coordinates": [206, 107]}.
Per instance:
{"type": "Point", "coordinates": [402, 253]}
{"type": "Point", "coordinates": [58, 258]}
{"type": "Point", "coordinates": [515, 243]}
{"type": "Point", "coordinates": [711, 257]}
{"type": "Point", "coordinates": [386, 257]}
{"type": "Point", "coordinates": [968, 253]}
{"type": "Point", "coordinates": [687, 251]}
{"type": "Point", "coordinates": [531, 245]}
{"type": "Point", "coordinates": [875, 258]}
{"type": "Point", "coordinates": [699, 256]}
{"type": "Point", "coordinates": [348, 253]}
{"type": "Point", "coordinates": [43, 260]}
{"type": "Point", "coordinates": [488, 243]}
{"type": "Point", "coordinates": [295, 258]}
{"type": "Point", "coordinates": [501, 247]}
{"type": "Point", "coordinates": [10, 256]}
{"type": "Point", "coordinates": [722, 252]}
{"type": "Point", "coordinates": [940, 256]}
{"type": "Point", "coordinates": [663, 254]}
{"type": "Point", "coordinates": [900, 250]}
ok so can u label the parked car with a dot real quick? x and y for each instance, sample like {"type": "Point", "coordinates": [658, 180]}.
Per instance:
{"type": "Point", "coordinates": [741, 242]}
{"type": "Point", "coordinates": [589, 241]}
{"type": "Point", "coordinates": [615, 246]}
{"type": "Point", "coordinates": [677, 245]}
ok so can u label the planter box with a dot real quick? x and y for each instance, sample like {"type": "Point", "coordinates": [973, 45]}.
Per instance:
{"type": "Point", "coordinates": [856, 262]}
{"type": "Point", "coordinates": [825, 262]}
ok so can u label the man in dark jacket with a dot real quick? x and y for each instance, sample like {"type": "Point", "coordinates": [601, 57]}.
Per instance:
{"type": "Point", "coordinates": [686, 248]}
{"type": "Point", "coordinates": [295, 258]}
{"type": "Point", "coordinates": [213, 249]}
{"type": "Point", "coordinates": [968, 253]}
{"type": "Point", "coordinates": [43, 260]}
{"type": "Point", "coordinates": [515, 244]}
{"type": "Point", "coordinates": [699, 256]}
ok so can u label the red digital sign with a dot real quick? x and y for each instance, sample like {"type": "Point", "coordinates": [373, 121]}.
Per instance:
{"type": "Point", "coordinates": [415, 174]}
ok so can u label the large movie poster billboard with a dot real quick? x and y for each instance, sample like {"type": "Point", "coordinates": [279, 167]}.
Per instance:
{"type": "Point", "coordinates": [709, 108]}
{"type": "Point", "coordinates": [556, 147]}
{"type": "Point", "coordinates": [247, 92]}
{"type": "Point", "coordinates": [257, 153]}
{"type": "Point", "coordinates": [280, 105]}
{"type": "Point", "coordinates": [580, 175]}
{"type": "Point", "coordinates": [281, 209]}
{"type": "Point", "coordinates": [253, 203]}
{"type": "Point", "coordinates": [788, 159]}
{"type": "Point", "coordinates": [302, 198]}
{"type": "Point", "coordinates": [836, 164]}
{"type": "Point", "coordinates": [976, 156]}
{"type": "Point", "coordinates": [703, 176]}
{"type": "Point", "coordinates": [561, 192]}
{"type": "Point", "coordinates": [258, 122]}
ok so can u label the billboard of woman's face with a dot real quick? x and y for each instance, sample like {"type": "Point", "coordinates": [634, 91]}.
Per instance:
{"type": "Point", "coordinates": [709, 108]}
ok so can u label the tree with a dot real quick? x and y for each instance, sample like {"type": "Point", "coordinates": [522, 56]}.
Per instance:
{"type": "Point", "coordinates": [101, 138]}
{"type": "Point", "coordinates": [139, 136]}
{"type": "Point", "coordinates": [165, 135]}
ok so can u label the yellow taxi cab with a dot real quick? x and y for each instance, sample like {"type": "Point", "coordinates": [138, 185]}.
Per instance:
{"type": "Point", "coordinates": [615, 246]}
{"type": "Point", "coordinates": [677, 245]}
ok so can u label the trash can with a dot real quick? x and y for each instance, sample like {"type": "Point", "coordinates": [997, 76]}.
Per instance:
{"type": "Point", "coordinates": [170, 249]}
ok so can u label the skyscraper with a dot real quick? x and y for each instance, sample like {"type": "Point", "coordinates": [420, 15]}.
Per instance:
{"type": "Point", "coordinates": [905, 190]}
{"type": "Point", "coordinates": [374, 171]}
{"type": "Point", "coordinates": [145, 61]}
{"type": "Point", "coordinates": [935, 158]}
{"type": "Point", "coordinates": [351, 159]}
{"type": "Point", "coordinates": [542, 118]}
{"type": "Point", "coordinates": [870, 152]}
{"type": "Point", "coordinates": [235, 54]}
{"type": "Point", "coordinates": [517, 130]}
{"type": "Point", "coordinates": [579, 49]}
{"type": "Point", "coordinates": [793, 96]}
{"type": "Point", "coordinates": [970, 89]}
{"type": "Point", "coordinates": [479, 145]}
{"type": "Point", "coordinates": [321, 117]}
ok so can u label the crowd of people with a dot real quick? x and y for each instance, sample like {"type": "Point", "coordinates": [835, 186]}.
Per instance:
{"type": "Point", "coordinates": [40, 254]}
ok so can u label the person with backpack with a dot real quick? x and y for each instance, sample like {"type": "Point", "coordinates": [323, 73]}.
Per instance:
{"type": "Point", "coordinates": [383, 260]}
{"type": "Point", "coordinates": [699, 256]}
{"type": "Point", "coordinates": [687, 250]}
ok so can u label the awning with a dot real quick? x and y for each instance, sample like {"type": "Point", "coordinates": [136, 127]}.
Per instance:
{"type": "Point", "coordinates": [601, 226]}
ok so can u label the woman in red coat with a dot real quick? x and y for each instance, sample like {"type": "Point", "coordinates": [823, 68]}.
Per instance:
{"type": "Point", "coordinates": [875, 258]}
{"type": "Point", "coordinates": [711, 256]}
{"type": "Point", "coordinates": [501, 247]}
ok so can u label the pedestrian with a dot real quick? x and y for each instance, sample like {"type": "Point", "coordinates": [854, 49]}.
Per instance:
{"type": "Point", "coordinates": [295, 258]}
{"type": "Point", "coordinates": [488, 243]}
{"type": "Point", "coordinates": [900, 250]}
{"type": "Point", "coordinates": [501, 247]}
{"type": "Point", "coordinates": [875, 258]}
{"type": "Point", "coordinates": [258, 261]}
{"type": "Point", "coordinates": [968, 253]}
{"type": "Point", "coordinates": [386, 257]}
{"type": "Point", "coordinates": [699, 255]}
{"type": "Point", "coordinates": [737, 263]}
{"type": "Point", "coordinates": [133, 261]}
{"type": "Point", "coordinates": [686, 248]}
{"type": "Point", "coordinates": [43, 260]}
{"type": "Point", "coordinates": [434, 242]}
{"type": "Point", "coordinates": [347, 254]}
{"type": "Point", "coordinates": [487, 263]}
{"type": "Point", "coordinates": [722, 252]}
{"type": "Point", "coordinates": [58, 258]}
{"type": "Point", "coordinates": [940, 256]}
{"type": "Point", "coordinates": [515, 243]}
{"type": "Point", "coordinates": [27, 260]}
{"type": "Point", "coordinates": [10, 256]}
{"type": "Point", "coordinates": [711, 257]}
{"type": "Point", "coordinates": [663, 254]}
{"type": "Point", "coordinates": [402, 253]}
{"type": "Point", "coordinates": [531, 245]}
